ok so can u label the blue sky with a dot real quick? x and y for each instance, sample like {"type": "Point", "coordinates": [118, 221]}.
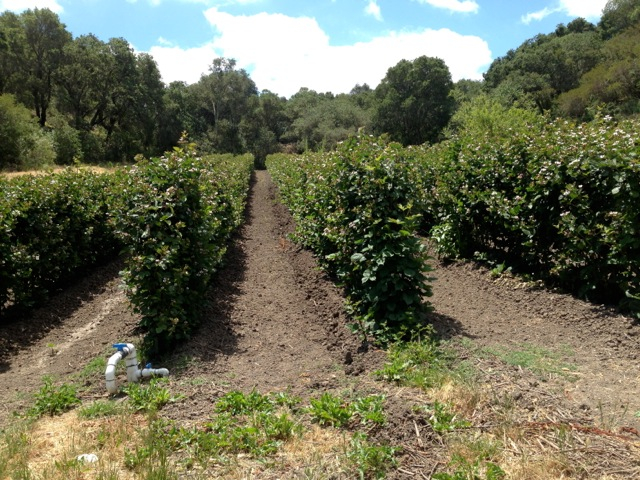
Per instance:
{"type": "Point", "coordinates": [324, 45]}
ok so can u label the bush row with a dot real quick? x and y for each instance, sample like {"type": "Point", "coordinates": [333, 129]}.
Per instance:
{"type": "Point", "coordinates": [51, 228]}
{"type": "Point", "coordinates": [357, 209]}
{"type": "Point", "coordinates": [175, 217]}
{"type": "Point", "coordinates": [558, 201]}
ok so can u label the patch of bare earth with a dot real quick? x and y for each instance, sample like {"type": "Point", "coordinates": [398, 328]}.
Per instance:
{"type": "Point", "coordinates": [274, 322]}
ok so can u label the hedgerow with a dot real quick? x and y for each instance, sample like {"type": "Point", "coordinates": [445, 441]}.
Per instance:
{"type": "Point", "coordinates": [52, 227]}
{"type": "Point", "coordinates": [175, 217]}
{"type": "Point", "coordinates": [559, 202]}
{"type": "Point", "coordinates": [358, 209]}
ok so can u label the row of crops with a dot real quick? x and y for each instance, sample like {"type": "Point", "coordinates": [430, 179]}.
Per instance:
{"type": "Point", "coordinates": [171, 216]}
{"type": "Point", "coordinates": [552, 201]}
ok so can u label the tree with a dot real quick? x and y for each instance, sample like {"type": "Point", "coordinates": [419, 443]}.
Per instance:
{"type": "Point", "coordinates": [223, 99]}
{"type": "Point", "coordinates": [82, 80]}
{"type": "Point", "coordinates": [619, 15]}
{"type": "Point", "coordinates": [414, 104]}
{"type": "Point", "coordinates": [38, 52]}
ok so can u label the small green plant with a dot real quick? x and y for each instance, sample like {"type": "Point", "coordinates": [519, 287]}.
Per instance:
{"type": "Point", "coordinates": [95, 367]}
{"type": "Point", "coordinates": [237, 403]}
{"type": "Point", "coordinates": [52, 400]}
{"type": "Point", "coordinates": [465, 470]}
{"type": "Point", "coordinates": [330, 410]}
{"type": "Point", "coordinates": [420, 363]}
{"type": "Point", "coordinates": [370, 461]}
{"type": "Point", "coordinates": [369, 409]}
{"type": "Point", "coordinates": [149, 398]}
{"type": "Point", "coordinates": [442, 418]}
{"type": "Point", "coordinates": [339, 412]}
{"type": "Point", "coordinates": [500, 269]}
{"type": "Point", "coordinates": [539, 360]}
{"type": "Point", "coordinates": [100, 409]}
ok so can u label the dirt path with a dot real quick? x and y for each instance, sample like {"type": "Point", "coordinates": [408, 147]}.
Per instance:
{"type": "Point", "coordinates": [274, 322]}
{"type": "Point", "coordinates": [598, 348]}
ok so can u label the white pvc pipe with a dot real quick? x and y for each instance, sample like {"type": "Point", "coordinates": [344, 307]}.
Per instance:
{"type": "Point", "coordinates": [127, 351]}
{"type": "Point", "coordinates": [110, 373]}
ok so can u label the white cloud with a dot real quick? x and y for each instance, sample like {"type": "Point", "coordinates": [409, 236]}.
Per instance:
{"type": "Point", "coordinates": [373, 9]}
{"type": "Point", "coordinates": [187, 65]}
{"type": "Point", "coordinates": [465, 6]}
{"type": "Point", "coordinates": [295, 53]}
{"type": "Point", "coordinates": [537, 16]}
{"type": "Point", "coordinates": [591, 9]}
{"type": "Point", "coordinates": [22, 5]}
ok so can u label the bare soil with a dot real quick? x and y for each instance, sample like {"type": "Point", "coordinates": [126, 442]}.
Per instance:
{"type": "Point", "coordinates": [275, 322]}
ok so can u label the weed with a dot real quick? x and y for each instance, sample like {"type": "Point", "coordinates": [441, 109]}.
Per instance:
{"type": "Point", "coordinates": [420, 363]}
{"type": "Point", "coordinates": [464, 470]}
{"type": "Point", "coordinates": [238, 403]}
{"type": "Point", "coordinates": [370, 460]}
{"type": "Point", "coordinates": [94, 368]}
{"type": "Point", "coordinates": [100, 409]}
{"type": "Point", "coordinates": [369, 409]}
{"type": "Point", "coordinates": [149, 398]}
{"type": "Point", "coordinates": [51, 400]}
{"type": "Point", "coordinates": [537, 359]}
{"type": "Point", "coordinates": [442, 418]}
{"type": "Point", "coordinates": [499, 270]}
{"type": "Point", "coordinates": [330, 410]}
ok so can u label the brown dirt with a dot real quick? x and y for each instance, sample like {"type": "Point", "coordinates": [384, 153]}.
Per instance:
{"type": "Point", "coordinates": [275, 322]}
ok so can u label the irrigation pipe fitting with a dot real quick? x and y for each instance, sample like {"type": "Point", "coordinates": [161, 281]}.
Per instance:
{"type": "Point", "coordinates": [127, 352]}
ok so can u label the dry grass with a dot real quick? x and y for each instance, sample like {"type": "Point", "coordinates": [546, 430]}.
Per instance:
{"type": "Point", "coordinates": [55, 169]}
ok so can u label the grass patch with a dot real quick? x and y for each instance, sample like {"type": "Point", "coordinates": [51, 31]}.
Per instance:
{"type": "Point", "coordinates": [54, 400]}
{"type": "Point", "coordinates": [541, 361]}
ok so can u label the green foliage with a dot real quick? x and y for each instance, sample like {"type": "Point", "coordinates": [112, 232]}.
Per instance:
{"type": "Point", "coordinates": [330, 410]}
{"type": "Point", "coordinates": [558, 202]}
{"type": "Point", "coordinates": [465, 470]}
{"type": "Point", "coordinates": [176, 216]}
{"type": "Point", "coordinates": [52, 400]}
{"type": "Point", "coordinates": [358, 210]}
{"type": "Point", "coordinates": [52, 227]}
{"type": "Point", "coordinates": [244, 423]}
{"type": "Point", "coordinates": [370, 461]}
{"type": "Point", "coordinates": [339, 412]}
{"type": "Point", "coordinates": [16, 132]}
{"type": "Point", "coordinates": [544, 66]}
{"type": "Point", "coordinates": [413, 101]}
{"type": "Point", "coordinates": [612, 85]}
{"type": "Point", "coordinates": [237, 403]}
{"type": "Point", "coordinates": [442, 418]}
{"type": "Point", "coordinates": [148, 397]}
{"type": "Point", "coordinates": [420, 363]}
{"type": "Point", "coordinates": [319, 121]}
{"type": "Point", "coordinates": [100, 409]}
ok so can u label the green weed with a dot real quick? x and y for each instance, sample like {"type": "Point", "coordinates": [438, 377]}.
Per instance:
{"type": "Point", "coordinates": [100, 409]}
{"type": "Point", "coordinates": [148, 398]}
{"type": "Point", "coordinates": [52, 400]}
{"type": "Point", "coordinates": [370, 461]}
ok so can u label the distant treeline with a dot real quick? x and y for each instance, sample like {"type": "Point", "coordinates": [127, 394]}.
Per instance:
{"type": "Point", "coordinates": [65, 99]}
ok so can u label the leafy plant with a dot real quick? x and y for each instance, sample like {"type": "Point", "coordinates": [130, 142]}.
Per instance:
{"type": "Point", "coordinates": [478, 470]}
{"type": "Point", "coordinates": [148, 398]}
{"type": "Point", "coordinates": [100, 409]}
{"type": "Point", "coordinates": [176, 215]}
{"type": "Point", "coordinates": [52, 400]}
{"type": "Point", "coordinates": [330, 410]}
{"type": "Point", "coordinates": [420, 363]}
{"type": "Point", "coordinates": [339, 412]}
{"type": "Point", "coordinates": [370, 461]}
{"type": "Point", "coordinates": [358, 209]}
{"type": "Point", "coordinates": [442, 418]}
